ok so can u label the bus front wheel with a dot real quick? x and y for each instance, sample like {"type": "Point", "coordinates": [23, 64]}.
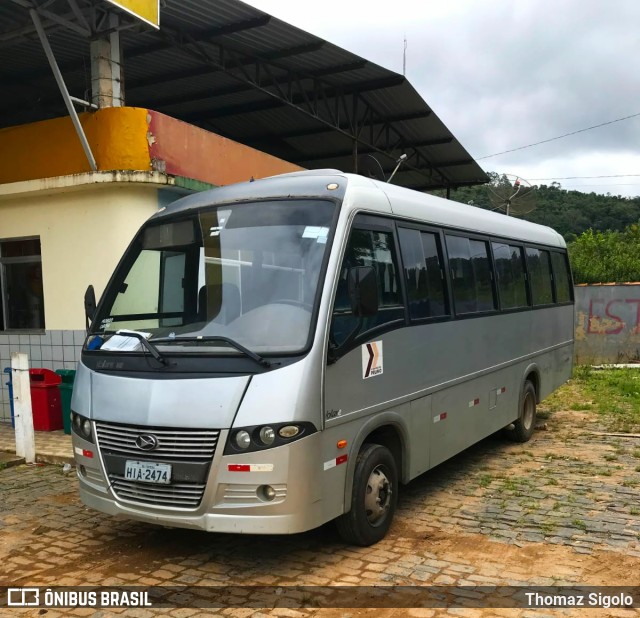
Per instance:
{"type": "Point", "coordinates": [524, 426]}
{"type": "Point", "coordinates": [373, 499]}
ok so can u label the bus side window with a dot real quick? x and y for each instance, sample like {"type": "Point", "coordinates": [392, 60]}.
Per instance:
{"type": "Point", "coordinates": [561, 277]}
{"type": "Point", "coordinates": [510, 270]}
{"type": "Point", "coordinates": [470, 275]}
{"type": "Point", "coordinates": [423, 273]}
{"type": "Point", "coordinates": [368, 248]}
{"type": "Point", "coordinates": [539, 265]}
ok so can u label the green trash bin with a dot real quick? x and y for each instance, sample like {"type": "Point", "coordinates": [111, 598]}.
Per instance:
{"type": "Point", "coordinates": [66, 389]}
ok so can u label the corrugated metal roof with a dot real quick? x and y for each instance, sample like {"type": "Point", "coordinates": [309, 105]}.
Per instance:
{"type": "Point", "coordinates": [232, 69]}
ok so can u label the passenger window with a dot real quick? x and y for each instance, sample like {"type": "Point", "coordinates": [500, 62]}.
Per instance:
{"type": "Point", "coordinates": [470, 275]}
{"type": "Point", "coordinates": [368, 248]}
{"type": "Point", "coordinates": [539, 266]}
{"type": "Point", "coordinates": [561, 277]}
{"type": "Point", "coordinates": [423, 273]}
{"type": "Point", "coordinates": [512, 283]}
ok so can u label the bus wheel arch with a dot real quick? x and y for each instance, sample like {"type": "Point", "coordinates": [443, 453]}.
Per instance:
{"type": "Point", "coordinates": [532, 374]}
{"type": "Point", "coordinates": [525, 424]}
{"type": "Point", "coordinates": [373, 498]}
{"type": "Point", "coordinates": [387, 433]}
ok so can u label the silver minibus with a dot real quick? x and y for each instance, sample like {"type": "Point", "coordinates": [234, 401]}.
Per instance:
{"type": "Point", "coordinates": [273, 355]}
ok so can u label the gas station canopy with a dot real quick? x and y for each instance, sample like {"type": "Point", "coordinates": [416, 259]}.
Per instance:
{"type": "Point", "coordinates": [238, 72]}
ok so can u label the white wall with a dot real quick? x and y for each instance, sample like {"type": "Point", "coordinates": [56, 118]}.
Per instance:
{"type": "Point", "coordinates": [83, 233]}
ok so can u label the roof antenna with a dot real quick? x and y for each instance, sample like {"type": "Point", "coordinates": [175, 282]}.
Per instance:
{"type": "Point", "coordinates": [399, 162]}
{"type": "Point", "coordinates": [404, 57]}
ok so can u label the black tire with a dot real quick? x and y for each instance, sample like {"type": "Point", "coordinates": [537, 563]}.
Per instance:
{"type": "Point", "coordinates": [373, 499]}
{"type": "Point", "coordinates": [526, 423]}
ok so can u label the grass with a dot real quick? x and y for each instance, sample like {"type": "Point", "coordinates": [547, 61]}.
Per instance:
{"type": "Point", "coordinates": [578, 523]}
{"type": "Point", "coordinates": [613, 393]}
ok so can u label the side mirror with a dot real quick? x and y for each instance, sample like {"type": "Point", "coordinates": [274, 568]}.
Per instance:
{"type": "Point", "coordinates": [363, 291]}
{"type": "Point", "coordinates": [89, 304]}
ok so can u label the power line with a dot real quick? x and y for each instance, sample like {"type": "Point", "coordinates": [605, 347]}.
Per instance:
{"type": "Point", "coordinates": [545, 141]}
{"type": "Point", "coordinates": [576, 177]}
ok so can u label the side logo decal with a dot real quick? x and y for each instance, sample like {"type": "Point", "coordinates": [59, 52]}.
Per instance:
{"type": "Point", "coordinates": [371, 359]}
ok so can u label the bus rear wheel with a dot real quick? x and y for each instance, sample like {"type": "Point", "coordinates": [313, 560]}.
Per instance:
{"type": "Point", "coordinates": [373, 499]}
{"type": "Point", "coordinates": [526, 423]}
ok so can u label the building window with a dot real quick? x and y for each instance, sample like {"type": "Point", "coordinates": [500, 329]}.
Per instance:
{"type": "Point", "coordinates": [22, 306]}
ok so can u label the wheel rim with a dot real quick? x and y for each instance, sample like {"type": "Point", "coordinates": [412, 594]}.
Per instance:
{"type": "Point", "coordinates": [528, 411]}
{"type": "Point", "coordinates": [377, 498]}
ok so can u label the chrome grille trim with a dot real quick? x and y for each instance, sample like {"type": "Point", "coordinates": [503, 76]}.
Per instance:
{"type": "Point", "coordinates": [175, 446]}
{"type": "Point", "coordinates": [179, 495]}
{"type": "Point", "coordinates": [247, 494]}
{"type": "Point", "coordinates": [183, 444]}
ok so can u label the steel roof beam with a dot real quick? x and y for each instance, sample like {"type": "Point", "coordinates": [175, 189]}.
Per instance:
{"type": "Point", "coordinates": [324, 129]}
{"type": "Point", "coordinates": [303, 96]}
{"type": "Point", "coordinates": [62, 21]}
{"type": "Point", "coordinates": [330, 108]}
{"type": "Point", "coordinates": [203, 35]}
{"type": "Point", "coordinates": [401, 148]}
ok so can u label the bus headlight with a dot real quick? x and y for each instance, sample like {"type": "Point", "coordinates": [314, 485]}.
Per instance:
{"type": "Point", "coordinates": [267, 435]}
{"type": "Point", "coordinates": [81, 426]}
{"type": "Point", "coordinates": [261, 437]}
{"type": "Point", "coordinates": [243, 440]}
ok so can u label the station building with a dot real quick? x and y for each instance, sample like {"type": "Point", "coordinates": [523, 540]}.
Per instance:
{"type": "Point", "coordinates": [219, 93]}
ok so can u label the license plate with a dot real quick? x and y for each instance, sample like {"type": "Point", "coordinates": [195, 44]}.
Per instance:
{"type": "Point", "coordinates": [147, 472]}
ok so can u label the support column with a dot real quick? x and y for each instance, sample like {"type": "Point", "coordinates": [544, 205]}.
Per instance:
{"type": "Point", "coordinates": [23, 414]}
{"type": "Point", "coordinates": [106, 68]}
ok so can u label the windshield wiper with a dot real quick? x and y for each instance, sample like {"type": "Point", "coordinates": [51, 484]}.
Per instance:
{"type": "Point", "coordinates": [146, 344]}
{"type": "Point", "coordinates": [209, 338]}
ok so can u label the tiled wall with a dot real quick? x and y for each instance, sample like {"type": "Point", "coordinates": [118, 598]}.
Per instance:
{"type": "Point", "coordinates": [55, 349]}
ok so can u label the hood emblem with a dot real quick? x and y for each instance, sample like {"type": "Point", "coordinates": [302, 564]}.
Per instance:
{"type": "Point", "coordinates": [147, 442]}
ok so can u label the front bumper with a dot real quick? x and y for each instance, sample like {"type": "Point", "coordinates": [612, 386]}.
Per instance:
{"type": "Point", "coordinates": [232, 501]}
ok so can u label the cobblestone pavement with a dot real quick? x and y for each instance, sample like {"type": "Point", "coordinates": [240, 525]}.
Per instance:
{"type": "Point", "coordinates": [562, 509]}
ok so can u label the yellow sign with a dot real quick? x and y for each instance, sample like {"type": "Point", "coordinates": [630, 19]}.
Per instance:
{"type": "Point", "coordinates": [146, 10]}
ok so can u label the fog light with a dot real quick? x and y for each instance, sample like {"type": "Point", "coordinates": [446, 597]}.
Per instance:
{"type": "Point", "coordinates": [289, 431]}
{"type": "Point", "coordinates": [266, 493]}
{"type": "Point", "coordinates": [267, 436]}
{"type": "Point", "coordinates": [243, 439]}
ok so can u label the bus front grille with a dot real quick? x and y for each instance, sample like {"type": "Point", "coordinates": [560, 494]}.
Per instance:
{"type": "Point", "coordinates": [188, 451]}
{"type": "Point", "coordinates": [176, 495]}
{"type": "Point", "coordinates": [172, 443]}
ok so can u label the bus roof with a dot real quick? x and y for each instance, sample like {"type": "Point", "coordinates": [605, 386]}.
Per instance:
{"type": "Point", "coordinates": [404, 203]}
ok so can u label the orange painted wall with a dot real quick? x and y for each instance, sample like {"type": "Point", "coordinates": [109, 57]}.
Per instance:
{"type": "Point", "coordinates": [117, 135]}
{"type": "Point", "coordinates": [184, 150]}
{"type": "Point", "coordinates": [129, 138]}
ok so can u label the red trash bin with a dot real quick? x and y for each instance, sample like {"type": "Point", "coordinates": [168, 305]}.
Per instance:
{"type": "Point", "coordinates": [45, 399]}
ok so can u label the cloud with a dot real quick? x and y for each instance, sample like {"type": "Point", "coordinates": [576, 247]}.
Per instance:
{"type": "Point", "coordinates": [502, 74]}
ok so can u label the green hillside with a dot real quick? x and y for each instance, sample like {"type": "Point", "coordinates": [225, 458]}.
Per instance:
{"type": "Point", "coordinates": [569, 212]}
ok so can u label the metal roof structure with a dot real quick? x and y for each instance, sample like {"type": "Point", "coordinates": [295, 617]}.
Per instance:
{"type": "Point", "coordinates": [239, 72]}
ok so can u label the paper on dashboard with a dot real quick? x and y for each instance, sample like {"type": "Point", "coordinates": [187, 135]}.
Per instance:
{"type": "Point", "coordinates": [121, 343]}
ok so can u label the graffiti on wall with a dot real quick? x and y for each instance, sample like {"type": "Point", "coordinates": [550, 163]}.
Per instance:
{"type": "Point", "coordinates": [607, 323]}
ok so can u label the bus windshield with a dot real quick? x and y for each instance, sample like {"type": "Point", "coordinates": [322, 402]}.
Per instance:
{"type": "Point", "coordinates": [247, 272]}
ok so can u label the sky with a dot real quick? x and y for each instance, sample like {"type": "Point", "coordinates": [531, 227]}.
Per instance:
{"type": "Point", "coordinates": [506, 73]}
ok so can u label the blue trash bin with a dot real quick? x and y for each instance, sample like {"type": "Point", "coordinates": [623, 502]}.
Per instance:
{"type": "Point", "coordinates": [9, 384]}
